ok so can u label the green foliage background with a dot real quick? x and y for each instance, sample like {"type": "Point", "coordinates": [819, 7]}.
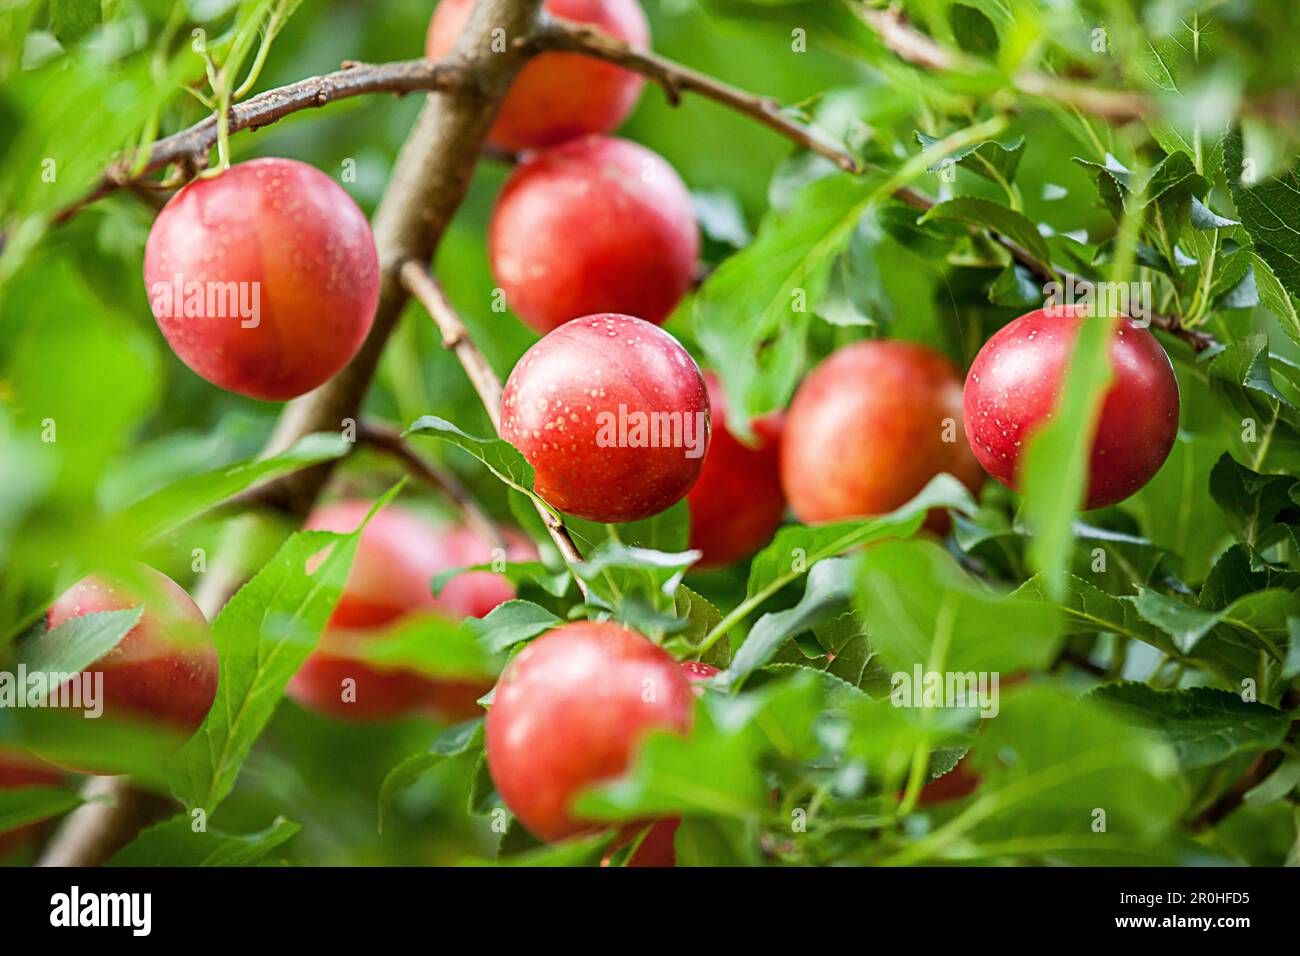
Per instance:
{"type": "Point", "coordinates": [1159, 676]}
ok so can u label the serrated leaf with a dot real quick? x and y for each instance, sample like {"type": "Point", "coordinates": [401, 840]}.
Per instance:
{"type": "Point", "coordinates": [922, 610]}
{"type": "Point", "coordinates": [509, 624]}
{"type": "Point", "coordinates": [175, 842]}
{"type": "Point", "coordinates": [1205, 726]}
{"type": "Point", "coordinates": [452, 742]}
{"type": "Point", "coordinates": [997, 218]}
{"type": "Point", "coordinates": [78, 642]}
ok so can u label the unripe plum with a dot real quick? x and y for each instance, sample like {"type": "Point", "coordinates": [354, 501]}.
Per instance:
{"type": "Point", "coordinates": [397, 556]}
{"type": "Point", "coordinates": [570, 711]}
{"type": "Point", "coordinates": [869, 428]}
{"type": "Point", "coordinates": [612, 413]}
{"type": "Point", "coordinates": [558, 96]}
{"type": "Point", "coordinates": [737, 503]}
{"type": "Point", "coordinates": [1016, 379]}
{"type": "Point", "coordinates": [165, 668]}
{"type": "Point", "coordinates": [263, 279]}
{"type": "Point", "coordinates": [594, 225]}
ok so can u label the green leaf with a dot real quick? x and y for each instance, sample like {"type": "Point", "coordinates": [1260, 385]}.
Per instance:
{"type": "Point", "coordinates": [263, 635]}
{"type": "Point", "coordinates": [1265, 419]}
{"type": "Point", "coordinates": [452, 742]}
{"type": "Point", "coordinates": [997, 218]}
{"type": "Point", "coordinates": [701, 618]}
{"type": "Point", "coordinates": [165, 510]}
{"type": "Point", "coordinates": [1204, 726]}
{"type": "Point", "coordinates": [1049, 765]}
{"type": "Point", "coordinates": [991, 159]}
{"type": "Point", "coordinates": [830, 583]}
{"type": "Point", "coordinates": [500, 457]}
{"type": "Point", "coordinates": [555, 583]}
{"type": "Point", "coordinates": [24, 805]}
{"type": "Point", "coordinates": [1274, 297]}
{"type": "Point", "coordinates": [175, 842]}
{"type": "Point", "coordinates": [795, 548]}
{"type": "Point", "coordinates": [1252, 502]}
{"type": "Point", "coordinates": [509, 624]}
{"type": "Point", "coordinates": [922, 610]}
{"type": "Point", "coordinates": [614, 572]}
{"type": "Point", "coordinates": [429, 645]}
{"type": "Point", "coordinates": [1269, 211]}
{"type": "Point", "coordinates": [750, 317]}
{"type": "Point", "coordinates": [78, 642]}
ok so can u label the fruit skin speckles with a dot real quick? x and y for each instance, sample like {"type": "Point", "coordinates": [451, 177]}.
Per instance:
{"type": "Point", "coordinates": [570, 711]}
{"type": "Point", "coordinates": [1016, 378]}
{"type": "Point", "coordinates": [594, 225]}
{"type": "Point", "coordinates": [866, 432]}
{"type": "Point", "coordinates": [568, 391]}
{"type": "Point", "coordinates": [298, 257]}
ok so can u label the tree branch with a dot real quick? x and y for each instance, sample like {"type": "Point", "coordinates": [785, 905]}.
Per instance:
{"type": "Point", "coordinates": [1199, 341]}
{"type": "Point", "coordinates": [189, 148]}
{"type": "Point", "coordinates": [415, 276]}
{"type": "Point", "coordinates": [429, 180]}
{"type": "Point", "coordinates": [569, 37]}
{"type": "Point", "coordinates": [1114, 105]}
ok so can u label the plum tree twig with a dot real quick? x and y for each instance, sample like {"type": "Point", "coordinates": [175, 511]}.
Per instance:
{"type": "Point", "coordinates": [675, 79]}
{"type": "Point", "coordinates": [1115, 105]}
{"type": "Point", "coordinates": [428, 183]}
{"type": "Point", "coordinates": [188, 149]}
{"type": "Point", "coordinates": [422, 286]}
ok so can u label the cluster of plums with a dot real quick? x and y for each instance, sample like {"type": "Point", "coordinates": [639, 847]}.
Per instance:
{"type": "Point", "coordinates": [594, 241]}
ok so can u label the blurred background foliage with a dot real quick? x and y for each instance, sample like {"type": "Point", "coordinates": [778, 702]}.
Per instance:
{"type": "Point", "coordinates": [82, 81]}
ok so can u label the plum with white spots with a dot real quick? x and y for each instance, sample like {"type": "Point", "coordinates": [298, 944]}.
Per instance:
{"type": "Point", "coordinates": [1015, 382]}
{"type": "Point", "coordinates": [263, 279]}
{"type": "Point", "coordinates": [612, 413]}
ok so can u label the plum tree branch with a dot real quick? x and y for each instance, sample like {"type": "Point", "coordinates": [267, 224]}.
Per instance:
{"type": "Point", "coordinates": [675, 79]}
{"type": "Point", "coordinates": [421, 285]}
{"type": "Point", "coordinates": [1197, 340]}
{"type": "Point", "coordinates": [188, 149]}
{"type": "Point", "coordinates": [1114, 105]}
{"type": "Point", "coordinates": [428, 183]}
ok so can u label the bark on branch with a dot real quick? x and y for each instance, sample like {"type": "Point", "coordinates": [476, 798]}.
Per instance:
{"type": "Point", "coordinates": [428, 184]}
{"type": "Point", "coordinates": [456, 337]}
{"type": "Point", "coordinates": [569, 37]}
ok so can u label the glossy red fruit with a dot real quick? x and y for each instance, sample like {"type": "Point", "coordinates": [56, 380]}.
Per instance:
{"type": "Point", "coordinates": [17, 772]}
{"type": "Point", "coordinates": [594, 225]}
{"type": "Point", "coordinates": [1016, 378]}
{"type": "Point", "coordinates": [737, 503]}
{"type": "Point", "coordinates": [612, 413]}
{"type": "Point", "coordinates": [558, 96]}
{"type": "Point", "coordinates": [397, 557]}
{"type": "Point", "coordinates": [570, 711]}
{"type": "Point", "coordinates": [867, 431]}
{"type": "Point", "coordinates": [165, 668]}
{"type": "Point", "coordinates": [264, 279]}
